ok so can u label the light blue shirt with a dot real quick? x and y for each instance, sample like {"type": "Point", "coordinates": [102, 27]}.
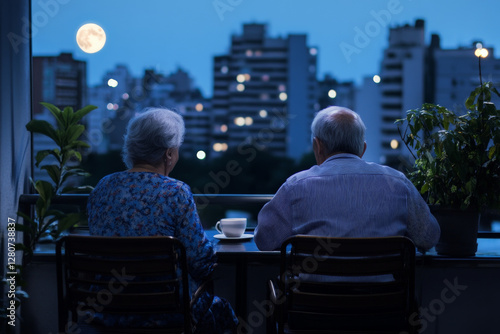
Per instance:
{"type": "Point", "coordinates": [346, 196]}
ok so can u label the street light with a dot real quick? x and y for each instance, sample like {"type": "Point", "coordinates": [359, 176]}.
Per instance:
{"type": "Point", "coordinates": [480, 53]}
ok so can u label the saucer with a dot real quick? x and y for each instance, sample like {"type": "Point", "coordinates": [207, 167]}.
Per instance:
{"type": "Point", "coordinates": [243, 237]}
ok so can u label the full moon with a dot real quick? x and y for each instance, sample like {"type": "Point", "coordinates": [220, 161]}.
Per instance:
{"type": "Point", "coordinates": [90, 38]}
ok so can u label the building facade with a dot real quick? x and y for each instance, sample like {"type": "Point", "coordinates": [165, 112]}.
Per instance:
{"type": "Point", "coordinates": [402, 73]}
{"type": "Point", "coordinates": [60, 80]}
{"type": "Point", "coordinates": [264, 93]}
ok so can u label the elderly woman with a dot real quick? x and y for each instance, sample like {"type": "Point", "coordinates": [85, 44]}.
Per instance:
{"type": "Point", "coordinates": [145, 201]}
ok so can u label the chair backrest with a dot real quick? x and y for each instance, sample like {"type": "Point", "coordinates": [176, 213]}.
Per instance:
{"type": "Point", "coordinates": [347, 284]}
{"type": "Point", "coordinates": [137, 279]}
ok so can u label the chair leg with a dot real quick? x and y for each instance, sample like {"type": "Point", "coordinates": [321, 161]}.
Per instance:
{"type": "Point", "coordinates": [271, 320]}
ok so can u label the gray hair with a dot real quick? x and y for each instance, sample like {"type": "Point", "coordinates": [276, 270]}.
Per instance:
{"type": "Point", "coordinates": [340, 129]}
{"type": "Point", "coordinates": [150, 134]}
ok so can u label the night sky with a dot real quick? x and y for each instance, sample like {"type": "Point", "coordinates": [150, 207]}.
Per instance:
{"type": "Point", "coordinates": [166, 34]}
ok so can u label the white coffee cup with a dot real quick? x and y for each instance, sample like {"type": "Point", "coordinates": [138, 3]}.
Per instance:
{"type": "Point", "coordinates": [232, 227]}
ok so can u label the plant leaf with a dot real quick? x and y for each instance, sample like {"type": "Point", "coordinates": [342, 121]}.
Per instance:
{"type": "Point", "coordinates": [43, 127]}
{"type": "Point", "coordinates": [78, 144]}
{"type": "Point", "coordinates": [54, 172]}
{"type": "Point", "coordinates": [45, 189]}
{"type": "Point", "coordinates": [67, 115]}
{"type": "Point", "coordinates": [41, 155]}
{"type": "Point", "coordinates": [74, 131]}
{"type": "Point", "coordinates": [56, 112]}
{"type": "Point", "coordinates": [67, 222]}
{"type": "Point", "coordinates": [79, 114]}
{"type": "Point", "coordinates": [491, 151]}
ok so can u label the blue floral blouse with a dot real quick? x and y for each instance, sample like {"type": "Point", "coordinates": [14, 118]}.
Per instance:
{"type": "Point", "coordinates": [150, 204]}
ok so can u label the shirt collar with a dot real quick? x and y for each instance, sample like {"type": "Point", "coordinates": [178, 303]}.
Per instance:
{"type": "Point", "coordinates": [342, 156]}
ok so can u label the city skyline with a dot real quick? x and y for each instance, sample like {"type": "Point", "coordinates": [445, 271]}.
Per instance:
{"type": "Point", "coordinates": [350, 47]}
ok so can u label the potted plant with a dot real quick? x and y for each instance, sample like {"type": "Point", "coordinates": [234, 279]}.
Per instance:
{"type": "Point", "coordinates": [48, 221]}
{"type": "Point", "coordinates": [457, 165]}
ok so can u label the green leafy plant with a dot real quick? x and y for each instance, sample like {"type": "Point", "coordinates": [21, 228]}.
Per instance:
{"type": "Point", "coordinates": [65, 164]}
{"type": "Point", "coordinates": [457, 157]}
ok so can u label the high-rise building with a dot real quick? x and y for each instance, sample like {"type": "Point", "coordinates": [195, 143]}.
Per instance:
{"type": "Point", "coordinates": [456, 73]}
{"type": "Point", "coordinates": [402, 87]}
{"type": "Point", "coordinates": [120, 97]}
{"type": "Point", "coordinates": [115, 87]}
{"type": "Point", "coordinates": [368, 107]}
{"type": "Point", "coordinates": [413, 73]}
{"type": "Point", "coordinates": [62, 81]}
{"type": "Point", "coordinates": [264, 93]}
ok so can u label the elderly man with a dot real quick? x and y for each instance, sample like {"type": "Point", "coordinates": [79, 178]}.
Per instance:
{"type": "Point", "coordinates": [344, 196]}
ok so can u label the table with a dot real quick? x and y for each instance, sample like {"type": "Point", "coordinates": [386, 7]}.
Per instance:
{"type": "Point", "coordinates": [242, 254]}
{"type": "Point", "coordinates": [474, 311]}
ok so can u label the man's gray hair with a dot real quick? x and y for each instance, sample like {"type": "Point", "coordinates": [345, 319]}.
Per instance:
{"type": "Point", "coordinates": [150, 134]}
{"type": "Point", "coordinates": [340, 129]}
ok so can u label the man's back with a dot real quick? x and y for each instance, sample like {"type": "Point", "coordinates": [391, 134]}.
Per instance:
{"type": "Point", "coordinates": [346, 197]}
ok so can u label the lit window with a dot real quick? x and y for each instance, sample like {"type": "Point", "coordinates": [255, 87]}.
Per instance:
{"type": "Point", "coordinates": [376, 78]}
{"type": "Point", "coordinates": [125, 96]}
{"type": "Point", "coordinates": [281, 88]}
{"type": "Point", "coordinates": [109, 106]}
{"type": "Point", "coordinates": [223, 128]}
{"type": "Point", "coordinates": [248, 120]}
{"type": "Point", "coordinates": [249, 53]}
{"type": "Point", "coordinates": [313, 51]}
{"type": "Point", "coordinates": [240, 78]}
{"type": "Point", "coordinates": [116, 106]}
{"type": "Point", "coordinates": [283, 96]}
{"type": "Point", "coordinates": [199, 107]}
{"type": "Point", "coordinates": [258, 53]}
{"type": "Point", "coordinates": [240, 87]}
{"type": "Point", "coordinates": [217, 147]}
{"type": "Point", "coordinates": [263, 113]}
{"type": "Point", "coordinates": [201, 155]}
{"type": "Point", "coordinates": [112, 83]}
{"type": "Point", "coordinates": [224, 69]}
{"type": "Point", "coordinates": [265, 77]}
{"type": "Point", "coordinates": [332, 94]}
{"type": "Point", "coordinates": [247, 76]}
{"type": "Point", "coordinates": [394, 144]}
{"type": "Point", "coordinates": [239, 121]}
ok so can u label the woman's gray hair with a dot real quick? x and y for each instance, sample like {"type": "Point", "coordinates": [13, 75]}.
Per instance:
{"type": "Point", "coordinates": [340, 129]}
{"type": "Point", "coordinates": [150, 134]}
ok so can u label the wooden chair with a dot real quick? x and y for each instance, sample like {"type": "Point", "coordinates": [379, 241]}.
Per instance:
{"type": "Point", "coordinates": [122, 276]}
{"type": "Point", "coordinates": [345, 285]}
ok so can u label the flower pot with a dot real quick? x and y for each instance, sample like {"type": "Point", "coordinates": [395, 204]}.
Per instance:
{"type": "Point", "coordinates": [458, 231]}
